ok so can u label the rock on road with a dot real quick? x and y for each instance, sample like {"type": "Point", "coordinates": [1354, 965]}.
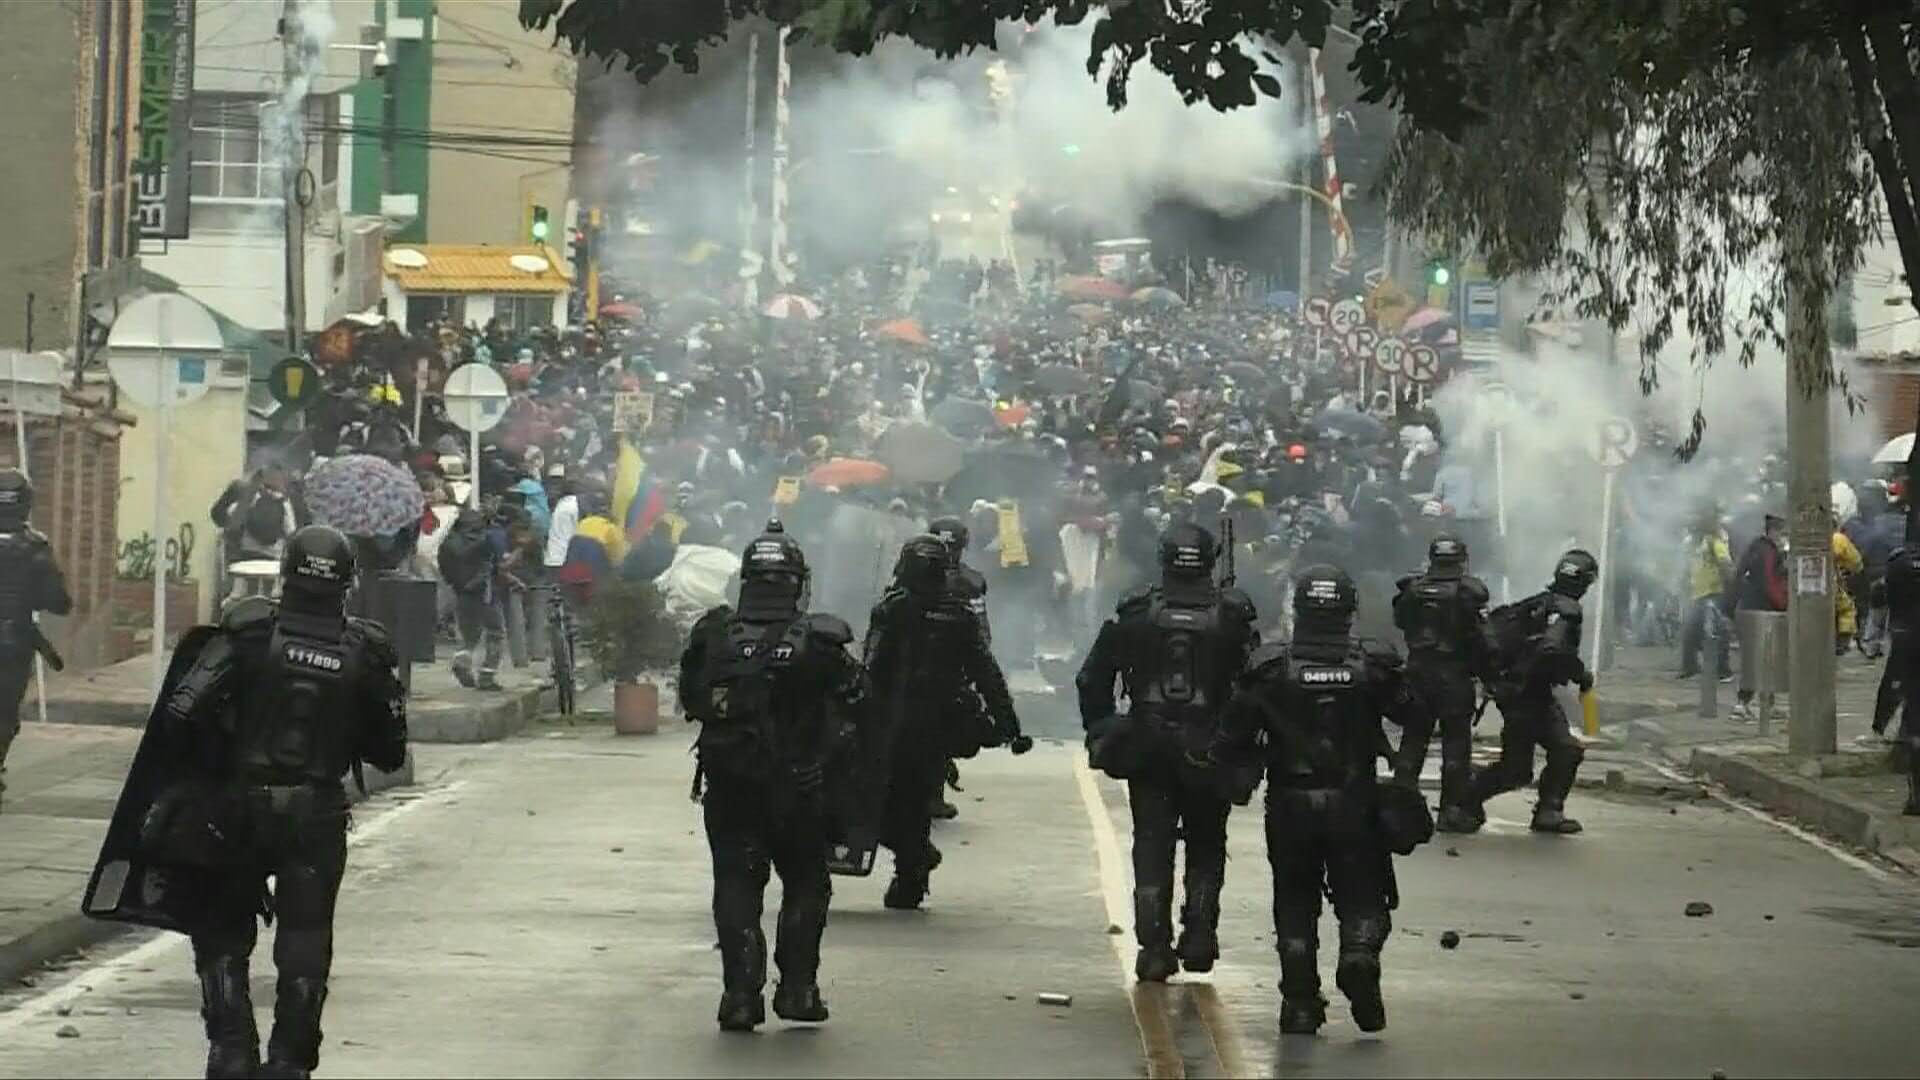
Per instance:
{"type": "Point", "coordinates": [540, 907]}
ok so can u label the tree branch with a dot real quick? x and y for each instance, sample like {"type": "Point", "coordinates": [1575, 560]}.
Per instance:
{"type": "Point", "coordinates": [1901, 90]}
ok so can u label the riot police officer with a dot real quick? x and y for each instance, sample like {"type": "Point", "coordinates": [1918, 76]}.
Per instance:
{"type": "Point", "coordinates": [1535, 646]}
{"type": "Point", "coordinates": [291, 696]}
{"type": "Point", "coordinates": [1901, 680]}
{"type": "Point", "coordinates": [932, 666]}
{"type": "Point", "coordinates": [30, 581]}
{"type": "Point", "coordinates": [968, 586]}
{"type": "Point", "coordinates": [1319, 700]}
{"type": "Point", "coordinates": [774, 690]}
{"type": "Point", "coordinates": [1442, 613]}
{"type": "Point", "coordinates": [1177, 647]}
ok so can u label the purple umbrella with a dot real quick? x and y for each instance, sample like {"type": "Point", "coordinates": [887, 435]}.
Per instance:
{"type": "Point", "coordinates": [363, 495]}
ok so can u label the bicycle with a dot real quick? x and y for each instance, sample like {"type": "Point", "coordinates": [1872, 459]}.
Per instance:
{"type": "Point", "coordinates": [561, 642]}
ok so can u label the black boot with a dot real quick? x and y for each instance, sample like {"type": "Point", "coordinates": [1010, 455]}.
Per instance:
{"type": "Point", "coordinates": [799, 1002]}
{"type": "Point", "coordinates": [294, 1048]}
{"type": "Point", "coordinates": [939, 809]}
{"type": "Point", "coordinates": [906, 892]}
{"type": "Point", "coordinates": [1302, 1008]}
{"type": "Point", "coordinates": [743, 973]}
{"type": "Point", "coordinates": [1153, 929]}
{"type": "Point", "coordinates": [233, 1039]}
{"type": "Point", "coordinates": [1302, 1016]}
{"type": "Point", "coordinates": [1358, 975]}
{"type": "Point", "coordinates": [1556, 781]}
{"type": "Point", "coordinates": [1458, 812]}
{"type": "Point", "coordinates": [1199, 926]}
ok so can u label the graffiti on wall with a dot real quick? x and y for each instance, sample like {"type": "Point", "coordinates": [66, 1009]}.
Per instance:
{"type": "Point", "coordinates": [137, 556]}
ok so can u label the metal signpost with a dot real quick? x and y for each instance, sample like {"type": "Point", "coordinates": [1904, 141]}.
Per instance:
{"type": "Point", "coordinates": [476, 398]}
{"type": "Point", "coordinates": [30, 377]}
{"type": "Point", "coordinates": [1421, 365]}
{"type": "Point", "coordinates": [164, 348]}
{"type": "Point", "coordinates": [1498, 402]}
{"type": "Point", "coordinates": [1612, 445]}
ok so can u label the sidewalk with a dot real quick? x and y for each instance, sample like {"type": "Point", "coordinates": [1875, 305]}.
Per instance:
{"type": "Point", "coordinates": [439, 710]}
{"type": "Point", "coordinates": [62, 781]}
{"type": "Point", "coordinates": [1854, 795]}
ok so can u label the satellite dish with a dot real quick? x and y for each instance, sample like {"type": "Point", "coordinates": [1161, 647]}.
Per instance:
{"type": "Point", "coordinates": [532, 264]}
{"type": "Point", "coordinates": [407, 259]}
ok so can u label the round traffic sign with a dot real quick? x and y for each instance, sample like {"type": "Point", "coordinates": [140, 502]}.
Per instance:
{"type": "Point", "coordinates": [476, 397]}
{"type": "Point", "coordinates": [1359, 343]}
{"type": "Point", "coordinates": [1388, 355]}
{"type": "Point", "coordinates": [1347, 316]}
{"type": "Point", "coordinates": [164, 350]}
{"type": "Point", "coordinates": [1421, 364]}
{"type": "Point", "coordinates": [1317, 311]}
{"type": "Point", "coordinates": [294, 382]}
{"type": "Point", "coordinates": [1613, 442]}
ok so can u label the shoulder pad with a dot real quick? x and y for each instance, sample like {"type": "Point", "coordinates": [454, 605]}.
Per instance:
{"type": "Point", "coordinates": [1381, 654]}
{"type": "Point", "coordinates": [1405, 580]}
{"type": "Point", "coordinates": [1272, 655]}
{"type": "Point", "coordinates": [714, 615]}
{"type": "Point", "coordinates": [1135, 599]}
{"type": "Point", "coordinates": [248, 614]}
{"type": "Point", "coordinates": [970, 581]}
{"type": "Point", "coordinates": [374, 635]}
{"type": "Point", "coordinates": [1475, 590]}
{"type": "Point", "coordinates": [1239, 601]}
{"type": "Point", "coordinates": [829, 628]}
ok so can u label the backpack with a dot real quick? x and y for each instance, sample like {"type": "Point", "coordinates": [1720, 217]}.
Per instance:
{"type": "Point", "coordinates": [1514, 632]}
{"type": "Point", "coordinates": [267, 518]}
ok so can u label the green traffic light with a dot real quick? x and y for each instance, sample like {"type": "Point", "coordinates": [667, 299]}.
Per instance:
{"type": "Point", "coordinates": [539, 230]}
{"type": "Point", "coordinates": [1441, 275]}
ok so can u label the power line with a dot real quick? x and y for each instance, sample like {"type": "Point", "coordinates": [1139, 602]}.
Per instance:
{"type": "Point", "coordinates": [496, 83]}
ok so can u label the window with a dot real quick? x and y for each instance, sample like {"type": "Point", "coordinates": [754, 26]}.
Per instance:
{"type": "Point", "coordinates": [520, 312]}
{"type": "Point", "coordinates": [425, 308]}
{"type": "Point", "coordinates": [228, 143]}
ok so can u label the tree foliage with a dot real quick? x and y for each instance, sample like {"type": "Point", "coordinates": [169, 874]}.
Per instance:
{"type": "Point", "coordinates": [1210, 50]}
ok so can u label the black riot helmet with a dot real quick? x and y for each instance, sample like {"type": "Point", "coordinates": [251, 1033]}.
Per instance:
{"type": "Point", "coordinates": [774, 578]}
{"type": "Point", "coordinates": [1447, 556]}
{"type": "Point", "coordinates": [1187, 552]}
{"type": "Point", "coordinates": [16, 497]}
{"type": "Point", "coordinates": [1574, 574]}
{"type": "Point", "coordinates": [953, 531]}
{"type": "Point", "coordinates": [317, 570]}
{"type": "Point", "coordinates": [922, 566]}
{"type": "Point", "coordinates": [1324, 601]}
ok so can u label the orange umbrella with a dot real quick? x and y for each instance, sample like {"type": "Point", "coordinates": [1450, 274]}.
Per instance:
{"type": "Point", "coordinates": [906, 330]}
{"type": "Point", "coordinates": [1012, 415]}
{"type": "Point", "coordinates": [848, 472]}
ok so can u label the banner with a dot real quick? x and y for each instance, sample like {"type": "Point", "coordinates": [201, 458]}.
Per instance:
{"type": "Point", "coordinates": [161, 165]}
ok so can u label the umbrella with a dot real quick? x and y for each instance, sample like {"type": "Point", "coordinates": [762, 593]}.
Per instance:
{"type": "Point", "coordinates": [1059, 380]}
{"type": "Point", "coordinates": [1013, 415]}
{"type": "Point", "coordinates": [847, 472]}
{"type": "Point", "coordinates": [1896, 451]}
{"type": "Point", "coordinates": [362, 495]}
{"type": "Point", "coordinates": [620, 310]}
{"type": "Point", "coordinates": [920, 453]}
{"type": "Point", "coordinates": [1159, 297]}
{"type": "Point", "coordinates": [1359, 425]}
{"type": "Point", "coordinates": [962, 415]}
{"type": "Point", "coordinates": [904, 330]}
{"type": "Point", "coordinates": [1003, 473]}
{"type": "Point", "coordinates": [1090, 313]}
{"type": "Point", "coordinates": [789, 306]}
{"type": "Point", "coordinates": [1422, 319]}
{"type": "Point", "coordinates": [1093, 288]}
{"type": "Point", "coordinates": [1243, 371]}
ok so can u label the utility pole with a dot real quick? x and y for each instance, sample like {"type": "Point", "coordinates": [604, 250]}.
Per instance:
{"type": "Point", "coordinates": [293, 168]}
{"type": "Point", "coordinates": [1305, 61]}
{"type": "Point", "coordinates": [1811, 721]}
{"type": "Point", "coordinates": [750, 208]}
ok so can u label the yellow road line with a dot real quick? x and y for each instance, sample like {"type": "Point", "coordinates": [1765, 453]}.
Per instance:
{"type": "Point", "coordinates": [1156, 1032]}
{"type": "Point", "coordinates": [1228, 1055]}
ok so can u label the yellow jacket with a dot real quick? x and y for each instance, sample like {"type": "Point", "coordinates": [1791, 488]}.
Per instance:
{"type": "Point", "coordinates": [1709, 562]}
{"type": "Point", "coordinates": [1846, 563]}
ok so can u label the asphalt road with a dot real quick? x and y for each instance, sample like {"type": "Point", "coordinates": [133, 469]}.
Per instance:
{"type": "Point", "coordinates": [539, 907]}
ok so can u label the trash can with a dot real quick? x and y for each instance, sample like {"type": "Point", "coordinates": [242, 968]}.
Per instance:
{"type": "Point", "coordinates": [1763, 651]}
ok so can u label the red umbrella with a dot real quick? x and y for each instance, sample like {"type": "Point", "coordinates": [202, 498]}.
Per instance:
{"type": "Point", "coordinates": [848, 472]}
{"type": "Point", "coordinates": [1094, 288]}
{"type": "Point", "coordinates": [906, 330]}
{"type": "Point", "coordinates": [1422, 319]}
{"type": "Point", "coordinates": [620, 310]}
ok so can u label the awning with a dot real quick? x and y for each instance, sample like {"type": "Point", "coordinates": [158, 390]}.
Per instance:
{"type": "Point", "coordinates": [477, 268]}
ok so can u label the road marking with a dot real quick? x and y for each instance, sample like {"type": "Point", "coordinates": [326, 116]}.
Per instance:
{"type": "Point", "coordinates": [1720, 794]}
{"type": "Point", "coordinates": [147, 953]}
{"type": "Point", "coordinates": [1148, 999]}
{"type": "Point", "coordinates": [1221, 1032]}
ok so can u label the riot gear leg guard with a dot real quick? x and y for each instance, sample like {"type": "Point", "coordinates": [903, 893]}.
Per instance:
{"type": "Point", "coordinates": [806, 893]}
{"type": "Point", "coordinates": [1358, 974]}
{"type": "Point", "coordinates": [226, 1004]}
{"type": "Point", "coordinates": [1153, 927]}
{"type": "Point", "coordinates": [1154, 817]}
{"type": "Point", "coordinates": [1564, 755]}
{"type": "Point", "coordinates": [743, 972]}
{"type": "Point", "coordinates": [1203, 822]}
{"type": "Point", "coordinates": [1912, 809]}
{"type": "Point", "coordinates": [294, 1048]}
{"type": "Point", "coordinates": [1302, 1008]}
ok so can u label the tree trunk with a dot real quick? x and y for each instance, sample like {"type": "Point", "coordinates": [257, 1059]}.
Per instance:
{"type": "Point", "coordinates": [1810, 584]}
{"type": "Point", "coordinates": [1901, 90]}
{"type": "Point", "coordinates": [1871, 116]}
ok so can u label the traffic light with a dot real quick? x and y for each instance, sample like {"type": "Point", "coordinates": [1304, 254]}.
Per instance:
{"type": "Point", "coordinates": [539, 225]}
{"type": "Point", "coordinates": [1439, 274]}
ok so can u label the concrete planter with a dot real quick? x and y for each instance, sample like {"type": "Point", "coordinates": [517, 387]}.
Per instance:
{"type": "Point", "coordinates": [636, 708]}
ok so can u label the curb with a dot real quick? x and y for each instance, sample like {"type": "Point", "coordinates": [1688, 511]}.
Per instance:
{"type": "Point", "coordinates": [72, 931]}
{"type": "Point", "coordinates": [484, 719]}
{"type": "Point", "coordinates": [1847, 819]}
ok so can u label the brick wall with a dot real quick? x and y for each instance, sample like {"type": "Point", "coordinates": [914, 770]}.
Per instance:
{"type": "Point", "coordinates": [1896, 400]}
{"type": "Point", "coordinates": [130, 632]}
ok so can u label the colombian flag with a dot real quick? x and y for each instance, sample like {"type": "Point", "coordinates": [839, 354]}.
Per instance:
{"type": "Point", "coordinates": [637, 502]}
{"type": "Point", "coordinates": [595, 550]}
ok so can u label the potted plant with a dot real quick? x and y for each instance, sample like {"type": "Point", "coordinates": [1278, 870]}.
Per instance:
{"type": "Point", "coordinates": [627, 632]}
